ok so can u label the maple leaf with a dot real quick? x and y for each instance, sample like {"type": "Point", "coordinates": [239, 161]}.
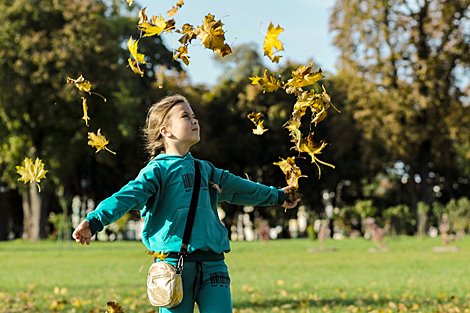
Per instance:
{"type": "Point", "coordinates": [132, 45]}
{"type": "Point", "coordinates": [309, 146]}
{"type": "Point", "coordinates": [268, 83]}
{"type": "Point", "coordinates": [83, 85]}
{"type": "Point", "coordinates": [302, 77]}
{"type": "Point", "coordinates": [135, 68]}
{"type": "Point", "coordinates": [174, 10]}
{"type": "Point", "coordinates": [292, 173]}
{"type": "Point", "coordinates": [85, 111]}
{"type": "Point", "coordinates": [31, 172]}
{"type": "Point", "coordinates": [129, 2]}
{"type": "Point", "coordinates": [170, 25]}
{"type": "Point", "coordinates": [212, 35]}
{"type": "Point", "coordinates": [98, 141]}
{"type": "Point", "coordinates": [159, 255]}
{"type": "Point", "coordinates": [114, 307]}
{"type": "Point", "coordinates": [271, 42]}
{"type": "Point", "coordinates": [256, 119]}
{"type": "Point", "coordinates": [155, 27]}
{"type": "Point", "coordinates": [188, 32]}
{"type": "Point", "coordinates": [182, 55]}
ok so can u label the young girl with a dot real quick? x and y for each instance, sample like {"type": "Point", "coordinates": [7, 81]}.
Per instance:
{"type": "Point", "coordinates": [162, 192]}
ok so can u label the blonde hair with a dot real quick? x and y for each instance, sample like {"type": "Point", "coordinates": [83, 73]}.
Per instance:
{"type": "Point", "coordinates": [157, 117]}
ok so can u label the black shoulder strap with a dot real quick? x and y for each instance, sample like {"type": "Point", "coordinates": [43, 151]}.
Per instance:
{"type": "Point", "coordinates": [192, 211]}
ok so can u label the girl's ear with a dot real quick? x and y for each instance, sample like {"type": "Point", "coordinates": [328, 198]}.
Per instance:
{"type": "Point", "coordinates": [165, 131]}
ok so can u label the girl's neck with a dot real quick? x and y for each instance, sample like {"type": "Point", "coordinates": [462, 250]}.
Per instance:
{"type": "Point", "coordinates": [183, 151]}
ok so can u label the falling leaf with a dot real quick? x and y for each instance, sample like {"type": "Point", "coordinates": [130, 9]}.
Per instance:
{"type": "Point", "coordinates": [271, 43]}
{"type": "Point", "coordinates": [182, 55]}
{"type": "Point", "coordinates": [212, 35]}
{"type": "Point", "coordinates": [308, 145]}
{"type": "Point", "coordinates": [174, 10]}
{"type": "Point", "coordinates": [98, 141]}
{"type": "Point", "coordinates": [129, 2]}
{"type": "Point", "coordinates": [159, 255]}
{"type": "Point", "coordinates": [292, 173]}
{"type": "Point", "coordinates": [155, 27]}
{"type": "Point", "coordinates": [302, 77]}
{"type": "Point", "coordinates": [216, 187]}
{"type": "Point", "coordinates": [31, 172]}
{"type": "Point", "coordinates": [256, 119]}
{"type": "Point", "coordinates": [132, 45]}
{"type": "Point", "coordinates": [83, 85]}
{"type": "Point", "coordinates": [114, 307]}
{"type": "Point", "coordinates": [135, 68]}
{"type": "Point", "coordinates": [268, 83]}
{"type": "Point", "coordinates": [188, 32]}
{"type": "Point", "coordinates": [85, 111]}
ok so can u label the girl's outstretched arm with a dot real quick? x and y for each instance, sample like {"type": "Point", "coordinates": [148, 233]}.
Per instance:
{"type": "Point", "coordinates": [288, 204]}
{"type": "Point", "coordinates": [82, 233]}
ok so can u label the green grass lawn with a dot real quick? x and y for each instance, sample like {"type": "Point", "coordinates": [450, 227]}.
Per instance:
{"type": "Point", "coordinates": [277, 276]}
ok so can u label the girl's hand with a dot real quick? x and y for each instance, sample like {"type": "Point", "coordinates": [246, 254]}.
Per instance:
{"type": "Point", "coordinates": [82, 233]}
{"type": "Point", "coordinates": [289, 204]}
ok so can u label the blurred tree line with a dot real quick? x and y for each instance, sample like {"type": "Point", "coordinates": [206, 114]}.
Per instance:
{"type": "Point", "coordinates": [401, 144]}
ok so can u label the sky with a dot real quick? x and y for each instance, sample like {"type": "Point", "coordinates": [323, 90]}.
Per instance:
{"type": "Point", "coordinates": [305, 34]}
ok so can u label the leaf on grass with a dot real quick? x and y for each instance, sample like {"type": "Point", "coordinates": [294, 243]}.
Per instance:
{"type": "Point", "coordinates": [272, 44]}
{"type": "Point", "coordinates": [114, 307]}
{"type": "Point", "coordinates": [98, 141]}
{"type": "Point", "coordinates": [268, 83]}
{"type": "Point", "coordinates": [31, 172]}
{"type": "Point", "coordinates": [85, 111]}
{"type": "Point", "coordinates": [174, 10]}
{"type": "Point", "coordinates": [159, 255]}
{"type": "Point", "coordinates": [256, 119]}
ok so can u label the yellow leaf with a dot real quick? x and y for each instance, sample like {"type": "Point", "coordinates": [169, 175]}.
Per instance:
{"type": "Point", "coordinates": [135, 68]}
{"type": "Point", "coordinates": [129, 2]}
{"type": "Point", "coordinates": [303, 77]}
{"type": "Point", "coordinates": [85, 111]}
{"type": "Point", "coordinates": [132, 46]}
{"type": "Point", "coordinates": [114, 307]}
{"type": "Point", "coordinates": [268, 83]}
{"type": "Point", "coordinates": [309, 146]}
{"type": "Point", "coordinates": [271, 42]}
{"type": "Point", "coordinates": [256, 119]}
{"type": "Point", "coordinates": [81, 83]}
{"type": "Point", "coordinates": [31, 172]}
{"type": "Point", "coordinates": [174, 10]}
{"type": "Point", "coordinates": [212, 35]}
{"type": "Point", "coordinates": [98, 141]}
{"type": "Point", "coordinates": [292, 173]}
{"type": "Point", "coordinates": [155, 27]}
{"type": "Point", "coordinates": [182, 51]}
{"type": "Point", "coordinates": [159, 255]}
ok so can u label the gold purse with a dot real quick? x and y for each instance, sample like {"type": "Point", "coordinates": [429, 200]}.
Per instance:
{"type": "Point", "coordinates": [164, 281]}
{"type": "Point", "coordinates": [164, 285]}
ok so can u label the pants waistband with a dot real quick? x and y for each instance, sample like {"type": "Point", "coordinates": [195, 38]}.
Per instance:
{"type": "Point", "coordinates": [198, 256]}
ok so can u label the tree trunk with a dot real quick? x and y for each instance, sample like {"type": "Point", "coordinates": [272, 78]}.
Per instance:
{"type": "Point", "coordinates": [32, 214]}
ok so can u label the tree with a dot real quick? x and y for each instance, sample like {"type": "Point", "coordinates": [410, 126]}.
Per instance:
{"type": "Point", "coordinates": [405, 65]}
{"type": "Point", "coordinates": [43, 43]}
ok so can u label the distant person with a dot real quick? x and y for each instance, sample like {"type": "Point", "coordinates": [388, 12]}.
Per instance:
{"type": "Point", "coordinates": [162, 192]}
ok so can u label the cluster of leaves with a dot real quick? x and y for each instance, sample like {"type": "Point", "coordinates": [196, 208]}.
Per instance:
{"type": "Point", "coordinates": [317, 102]}
{"type": "Point", "coordinates": [210, 33]}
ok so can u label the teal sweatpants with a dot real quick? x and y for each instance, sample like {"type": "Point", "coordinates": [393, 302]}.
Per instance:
{"type": "Point", "coordinates": [208, 285]}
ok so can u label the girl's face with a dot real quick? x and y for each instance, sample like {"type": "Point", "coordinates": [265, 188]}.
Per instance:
{"type": "Point", "coordinates": [183, 129]}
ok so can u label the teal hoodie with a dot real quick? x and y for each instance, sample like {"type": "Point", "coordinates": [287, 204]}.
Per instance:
{"type": "Point", "coordinates": [162, 192]}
